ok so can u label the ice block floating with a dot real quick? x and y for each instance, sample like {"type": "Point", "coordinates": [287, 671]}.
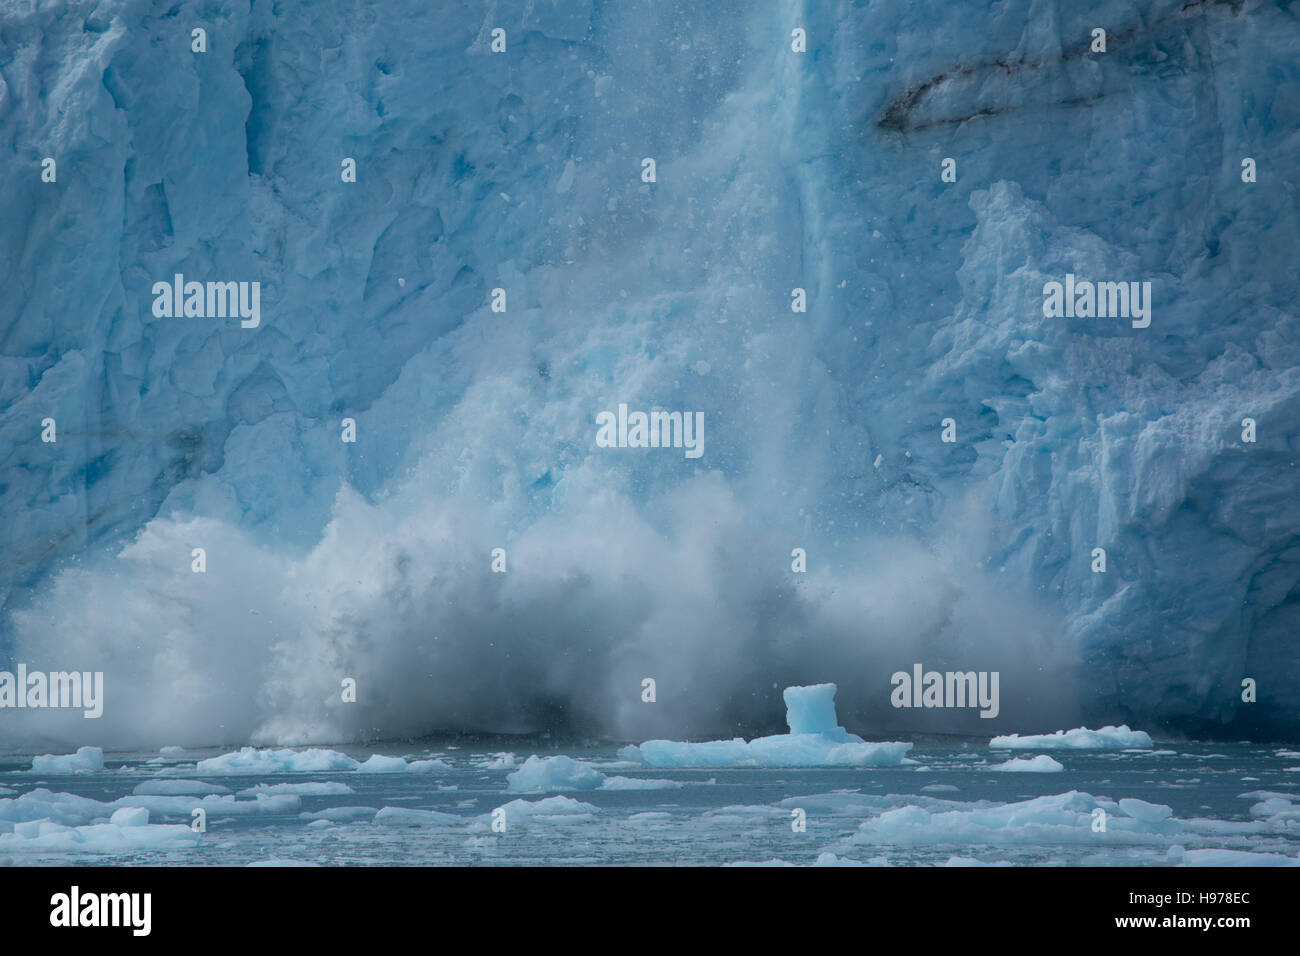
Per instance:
{"type": "Point", "coordinates": [815, 740]}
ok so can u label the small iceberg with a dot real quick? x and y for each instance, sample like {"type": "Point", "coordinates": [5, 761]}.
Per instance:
{"type": "Point", "coordinates": [1040, 764]}
{"type": "Point", "coordinates": [178, 788]}
{"type": "Point", "coordinates": [252, 760]}
{"type": "Point", "coordinates": [1081, 738]}
{"type": "Point", "coordinates": [541, 774]}
{"type": "Point", "coordinates": [549, 774]}
{"type": "Point", "coordinates": [815, 740]}
{"type": "Point", "coordinates": [547, 810]}
{"type": "Point", "coordinates": [409, 817]}
{"type": "Point", "coordinates": [85, 760]}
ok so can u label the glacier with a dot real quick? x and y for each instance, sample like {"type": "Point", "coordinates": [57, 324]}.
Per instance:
{"type": "Point", "coordinates": [476, 429]}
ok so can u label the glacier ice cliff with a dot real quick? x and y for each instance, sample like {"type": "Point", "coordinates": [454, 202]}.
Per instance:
{"type": "Point", "coordinates": [475, 429]}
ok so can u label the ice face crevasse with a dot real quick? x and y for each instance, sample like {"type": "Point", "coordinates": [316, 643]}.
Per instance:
{"type": "Point", "coordinates": [475, 429]}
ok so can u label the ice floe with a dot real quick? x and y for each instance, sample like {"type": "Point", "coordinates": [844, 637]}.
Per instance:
{"type": "Point", "coordinates": [815, 740]}
{"type": "Point", "coordinates": [1040, 764]}
{"type": "Point", "coordinates": [1081, 738]}
{"type": "Point", "coordinates": [550, 774]}
{"type": "Point", "coordinates": [409, 817]}
{"type": "Point", "coordinates": [253, 760]}
{"type": "Point", "coordinates": [85, 760]}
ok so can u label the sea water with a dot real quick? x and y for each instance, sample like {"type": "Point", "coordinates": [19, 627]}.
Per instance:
{"type": "Point", "coordinates": [1230, 804]}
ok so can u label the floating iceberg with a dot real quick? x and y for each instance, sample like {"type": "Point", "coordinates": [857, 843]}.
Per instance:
{"type": "Point", "coordinates": [130, 817]}
{"type": "Point", "coordinates": [85, 760]}
{"type": "Point", "coordinates": [69, 809]}
{"type": "Point", "coordinates": [540, 774]}
{"type": "Point", "coordinates": [815, 740]}
{"type": "Point", "coordinates": [1065, 818]}
{"type": "Point", "coordinates": [1040, 764]}
{"type": "Point", "coordinates": [557, 809]}
{"type": "Point", "coordinates": [548, 774]}
{"type": "Point", "coordinates": [1081, 738]}
{"type": "Point", "coordinates": [178, 788]}
{"type": "Point", "coordinates": [378, 763]}
{"type": "Point", "coordinates": [252, 760]}
{"type": "Point", "coordinates": [407, 817]}
{"type": "Point", "coordinates": [98, 838]}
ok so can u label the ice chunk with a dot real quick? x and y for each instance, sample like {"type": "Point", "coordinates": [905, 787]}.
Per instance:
{"type": "Point", "coordinates": [1081, 738]}
{"type": "Point", "coordinates": [85, 760]}
{"type": "Point", "coordinates": [544, 810]}
{"type": "Point", "coordinates": [673, 753]}
{"type": "Point", "coordinates": [73, 810]}
{"type": "Point", "coordinates": [549, 774]}
{"type": "Point", "coordinates": [378, 763]}
{"type": "Point", "coordinates": [541, 774]}
{"type": "Point", "coordinates": [178, 788]}
{"type": "Point", "coordinates": [100, 838]}
{"type": "Point", "coordinates": [407, 817]}
{"type": "Point", "coordinates": [1278, 809]}
{"type": "Point", "coordinates": [1040, 764]}
{"type": "Point", "coordinates": [826, 858]}
{"type": "Point", "coordinates": [827, 745]}
{"type": "Point", "coordinates": [811, 710]}
{"type": "Point", "coordinates": [323, 789]}
{"type": "Point", "coordinates": [130, 817]}
{"type": "Point", "coordinates": [427, 766]}
{"type": "Point", "coordinates": [650, 818]}
{"type": "Point", "coordinates": [1146, 812]}
{"type": "Point", "coordinates": [1064, 818]}
{"type": "Point", "coordinates": [252, 760]}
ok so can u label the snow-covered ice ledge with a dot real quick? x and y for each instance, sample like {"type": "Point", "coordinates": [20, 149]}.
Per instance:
{"type": "Point", "coordinates": [815, 740]}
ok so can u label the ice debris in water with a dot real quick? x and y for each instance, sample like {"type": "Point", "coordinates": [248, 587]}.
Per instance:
{"type": "Point", "coordinates": [815, 740]}
{"type": "Point", "coordinates": [1081, 738]}
{"type": "Point", "coordinates": [85, 760]}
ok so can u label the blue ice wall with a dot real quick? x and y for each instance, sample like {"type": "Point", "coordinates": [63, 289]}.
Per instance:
{"type": "Point", "coordinates": [522, 171]}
